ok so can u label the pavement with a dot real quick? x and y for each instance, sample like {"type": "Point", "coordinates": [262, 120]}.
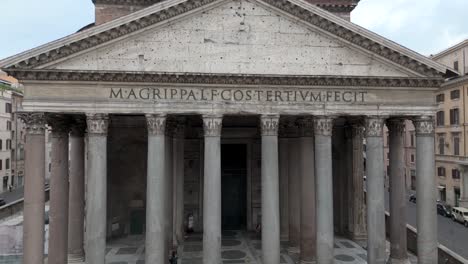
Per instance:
{"type": "Point", "coordinates": [12, 196]}
{"type": "Point", "coordinates": [452, 235]}
{"type": "Point", "coordinates": [237, 247]}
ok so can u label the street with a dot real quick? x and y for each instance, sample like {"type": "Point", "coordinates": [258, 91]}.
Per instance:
{"type": "Point", "coordinates": [13, 195]}
{"type": "Point", "coordinates": [451, 234]}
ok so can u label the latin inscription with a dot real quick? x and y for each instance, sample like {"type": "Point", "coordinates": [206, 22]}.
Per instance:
{"type": "Point", "coordinates": [239, 95]}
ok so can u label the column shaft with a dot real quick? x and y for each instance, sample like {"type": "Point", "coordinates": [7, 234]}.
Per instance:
{"type": "Point", "coordinates": [398, 252]}
{"type": "Point", "coordinates": [156, 191]}
{"type": "Point", "coordinates": [464, 186]}
{"type": "Point", "coordinates": [270, 191]}
{"type": "Point", "coordinates": [169, 205]}
{"type": "Point", "coordinates": [294, 193]}
{"type": "Point", "coordinates": [34, 193]}
{"type": "Point", "coordinates": [375, 192]}
{"type": "Point", "coordinates": [58, 213]}
{"type": "Point", "coordinates": [358, 226]}
{"type": "Point", "coordinates": [77, 190]}
{"type": "Point", "coordinates": [426, 191]}
{"type": "Point", "coordinates": [324, 189]}
{"type": "Point", "coordinates": [179, 177]}
{"type": "Point", "coordinates": [212, 191]}
{"type": "Point", "coordinates": [283, 179]}
{"type": "Point", "coordinates": [96, 189]}
{"type": "Point", "coordinates": [308, 216]}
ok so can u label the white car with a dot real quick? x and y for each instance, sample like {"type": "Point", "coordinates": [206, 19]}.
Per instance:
{"type": "Point", "coordinates": [460, 214]}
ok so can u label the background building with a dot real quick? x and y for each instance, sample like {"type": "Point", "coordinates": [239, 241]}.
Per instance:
{"type": "Point", "coordinates": [451, 123]}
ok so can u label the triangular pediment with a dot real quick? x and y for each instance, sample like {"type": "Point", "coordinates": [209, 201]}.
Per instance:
{"type": "Point", "coordinates": [287, 37]}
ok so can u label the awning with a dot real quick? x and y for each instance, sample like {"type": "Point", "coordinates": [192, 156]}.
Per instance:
{"type": "Point", "coordinates": [440, 187]}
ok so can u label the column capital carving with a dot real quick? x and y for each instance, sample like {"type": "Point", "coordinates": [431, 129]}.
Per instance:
{"type": "Point", "coordinates": [374, 126]}
{"type": "Point", "coordinates": [59, 123]}
{"type": "Point", "coordinates": [357, 128]}
{"type": "Point", "coordinates": [306, 126]}
{"type": "Point", "coordinates": [269, 125]}
{"type": "Point", "coordinates": [156, 124]}
{"type": "Point", "coordinates": [97, 124]}
{"type": "Point", "coordinates": [396, 125]}
{"type": "Point", "coordinates": [323, 125]}
{"type": "Point", "coordinates": [78, 127]}
{"type": "Point", "coordinates": [424, 125]}
{"type": "Point", "coordinates": [35, 122]}
{"type": "Point", "coordinates": [212, 125]}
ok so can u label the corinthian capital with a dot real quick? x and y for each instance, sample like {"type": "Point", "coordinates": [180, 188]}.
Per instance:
{"type": "Point", "coordinates": [374, 126]}
{"type": "Point", "coordinates": [212, 125]}
{"type": "Point", "coordinates": [98, 124]}
{"type": "Point", "coordinates": [306, 126]}
{"type": "Point", "coordinates": [424, 125]}
{"type": "Point", "coordinates": [323, 125]}
{"type": "Point", "coordinates": [156, 124]}
{"type": "Point", "coordinates": [60, 124]}
{"type": "Point", "coordinates": [396, 125]}
{"type": "Point", "coordinates": [35, 122]}
{"type": "Point", "coordinates": [269, 125]}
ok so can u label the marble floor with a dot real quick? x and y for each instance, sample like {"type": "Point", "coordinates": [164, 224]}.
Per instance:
{"type": "Point", "coordinates": [237, 247]}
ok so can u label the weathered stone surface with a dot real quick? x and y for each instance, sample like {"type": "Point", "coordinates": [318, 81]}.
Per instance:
{"type": "Point", "coordinates": [236, 37]}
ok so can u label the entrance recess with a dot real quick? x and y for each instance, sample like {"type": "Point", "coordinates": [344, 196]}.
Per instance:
{"type": "Point", "coordinates": [234, 186]}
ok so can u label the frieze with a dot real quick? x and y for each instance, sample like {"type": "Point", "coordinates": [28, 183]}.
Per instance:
{"type": "Point", "coordinates": [35, 122]}
{"type": "Point", "coordinates": [269, 125]}
{"type": "Point", "coordinates": [238, 95]}
{"type": "Point", "coordinates": [162, 77]}
{"type": "Point", "coordinates": [98, 124]}
{"type": "Point", "coordinates": [318, 20]}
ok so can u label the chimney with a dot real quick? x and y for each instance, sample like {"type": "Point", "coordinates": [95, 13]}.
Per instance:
{"type": "Point", "coordinates": [341, 8]}
{"type": "Point", "coordinates": [107, 10]}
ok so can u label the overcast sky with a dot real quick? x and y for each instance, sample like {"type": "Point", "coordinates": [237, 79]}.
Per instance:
{"type": "Point", "coordinates": [426, 26]}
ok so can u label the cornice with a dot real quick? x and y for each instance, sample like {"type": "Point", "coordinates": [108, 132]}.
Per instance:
{"type": "Point", "coordinates": [228, 79]}
{"type": "Point", "coordinates": [127, 2]}
{"type": "Point", "coordinates": [168, 9]}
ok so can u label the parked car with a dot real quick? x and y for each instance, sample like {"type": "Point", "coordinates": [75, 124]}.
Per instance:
{"type": "Point", "coordinates": [460, 214]}
{"type": "Point", "coordinates": [444, 210]}
{"type": "Point", "coordinates": [412, 198]}
{"type": "Point", "coordinates": [2, 202]}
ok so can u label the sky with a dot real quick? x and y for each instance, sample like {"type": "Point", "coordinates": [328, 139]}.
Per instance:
{"type": "Point", "coordinates": [425, 26]}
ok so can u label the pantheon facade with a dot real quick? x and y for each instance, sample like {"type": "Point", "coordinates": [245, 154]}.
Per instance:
{"type": "Point", "coordinates": [225, 114]}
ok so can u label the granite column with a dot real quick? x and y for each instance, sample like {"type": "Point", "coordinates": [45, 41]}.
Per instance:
{"type": "Point", "coordinates": [426, 191]}
{"type": "Point", "coordinates": [294, 191]}
{"type": "Point", "coordinates": [398, 243]}
{"type": "Point", "coordinates": [34, 191]}
{"type": "Point", "coordinates": [212, 126]}
{"type": "Point", "coordinates": [375, 191]}
{"type": "Point", "coordinates": [59, 190]}
{"type": "Point", "coordinates": [323, 127]}
{"type": "Point", "coordinates": [96, 189]}
{"type": "Point", "coordinates": [179, 142]}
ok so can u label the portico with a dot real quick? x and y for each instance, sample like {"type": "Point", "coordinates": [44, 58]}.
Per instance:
{"type": "Point", "coordinates": [164, 90]}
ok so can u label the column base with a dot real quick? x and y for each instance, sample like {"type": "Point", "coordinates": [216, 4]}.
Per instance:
{"type": "Point", "coordinates": [294, 250]}
{"type": "Point", "coordinates": [398, 261]}
{"type": "Point", "coordinates": [76, 258]}
{"type": "Point", "coordinates": [308, 262]}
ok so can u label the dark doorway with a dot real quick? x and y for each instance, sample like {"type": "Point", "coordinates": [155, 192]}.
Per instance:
{"type": "Point", "coordinates": [234, 185]}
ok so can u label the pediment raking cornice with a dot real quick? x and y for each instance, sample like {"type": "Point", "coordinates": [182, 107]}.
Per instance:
{"type": "Point", "coordinates": [164, 11]}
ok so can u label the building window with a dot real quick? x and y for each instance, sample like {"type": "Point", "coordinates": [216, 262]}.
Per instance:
{"type": "Point", "coordinates": [7, 164]}
{"type": "Point", "coordinates": [454, 116]}
{"type": "Point", "coordinates": [456, 145]}
{"type": "Point", "coordinates": [412, 158]}
{"type": "Point", "coordinates": [412, 139]}
{"type": "Point", "coordinates": [440, 118]}
{"type": "Point", "coordinates": [441, 145]}
{"type": "Point", "coordinates": [455, 94]}
{"type": "Point", "coordinates": [441, 171]}
{"type": "Point", "coordinates": [440, 98]}
{"type": "Point", "coordinates": [1, 164]}
{"type": "Point", "coordinates": [455, 174]}
{"type": "Point", "coordinates": [1, 144]}
{"type": "Point", "coordinates": [455, 65]}
{"type": "Point", "coordinates": [8, 144]}
{"type": "Point", "coordinates": [7, 108]}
